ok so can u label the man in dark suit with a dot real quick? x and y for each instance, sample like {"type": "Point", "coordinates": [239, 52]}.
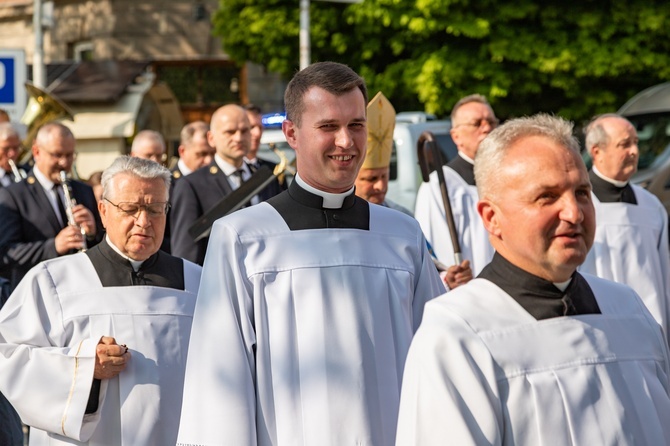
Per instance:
{"type": "Point", "coordinates": [194, 150]}
{"type": "Point", "coordinates": [10, 146]}
{"type": "Point", "coordinates": [33, 214]}
{"type": "Point", "coordinates": [197, 193]}
{"type": "Point", "coordinates": [256, 121]}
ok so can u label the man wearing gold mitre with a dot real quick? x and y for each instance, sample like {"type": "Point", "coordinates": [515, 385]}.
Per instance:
{"type": "Point", "coordinates": [373, 177]}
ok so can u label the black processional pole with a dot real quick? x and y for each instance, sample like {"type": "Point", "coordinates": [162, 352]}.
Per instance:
{"type": "Point", "coordinates": [430, 159]}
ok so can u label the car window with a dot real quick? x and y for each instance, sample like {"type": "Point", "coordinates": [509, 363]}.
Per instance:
{"type": "Point", "coordinates": [653, 130]}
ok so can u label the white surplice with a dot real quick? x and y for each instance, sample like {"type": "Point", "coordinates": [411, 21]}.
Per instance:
{"type": "Point", "coordinates": [472, 236]}
{"type": "Point", "coordinates": [300, 337]}
{"type": "Point", "coordinates": [631, 247]}
{"type": "Point", "coordinates": [483, 371]}
{"type": "Point", "coordinates": [49, 330]}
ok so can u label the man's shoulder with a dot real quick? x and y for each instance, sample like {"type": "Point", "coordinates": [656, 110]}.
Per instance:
{"type": "Point", "coordinates": [644, 197]}
{"type": "Point", "coordinates": [263, 162]}
{"type": "Point", "coordinates": [20, 191]}
{"type": "Point", "coordinates": [199, 180]}
{"type": "Point", "coordinates": [609, 292]}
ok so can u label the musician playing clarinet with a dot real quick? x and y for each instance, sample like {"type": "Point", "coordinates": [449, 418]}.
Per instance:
{"type": "Point", "coordinates": [34, 211]}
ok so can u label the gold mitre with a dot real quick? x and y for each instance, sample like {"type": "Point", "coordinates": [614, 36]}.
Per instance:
{"type": "Point", "coordinates": [381, 122]}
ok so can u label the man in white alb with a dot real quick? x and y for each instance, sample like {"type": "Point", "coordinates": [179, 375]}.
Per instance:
{"type": "Point", "coordinates": [309, 300]}
{"type": "Point", "coordinates": [472, 118]}
{"type": "Point", "coordinates": [631, 243]}
{"type": "Point", "coordinates": [93, 345]}
{"type": "Point", "coordinates": [532, 352]}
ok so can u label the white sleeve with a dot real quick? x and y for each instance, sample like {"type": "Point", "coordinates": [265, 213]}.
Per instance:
{"type": "Point", "coordinates": [219, 405]}
{"type": "Point", "coordinates": [428, 283]}
{"type": "Point", "coordinates": [44, 374]}
{"type": "Point", "coordinates": [449, 393]}
{"type": "Point", "coordinates": [430, 214]}
{"type": "Point", "coordinates": [664, 259]}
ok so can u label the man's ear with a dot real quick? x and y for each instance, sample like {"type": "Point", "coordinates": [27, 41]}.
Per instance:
{"type": "Point", "coordinates": [289, 128]}
{"type": "Point", "coordinates": [102, 210]}
{"type": "Point", "coordinates": [490, 214]}
{"type": "Point", "coordinates": [595, 151]}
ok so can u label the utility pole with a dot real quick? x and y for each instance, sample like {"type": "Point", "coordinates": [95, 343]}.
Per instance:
{"type": "Point", "coordinates": [305, 45]}
{"type": "Point", "coordinates": [39, 71]}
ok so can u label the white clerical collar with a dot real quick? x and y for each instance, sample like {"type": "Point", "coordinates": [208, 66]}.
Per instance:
{"type": "Point", "coordinates": [134, 263]}
{"type": "Point", "coordinates": [183, 168]}
{"type": "Point", "coordinates": [228, 168]}
{"type": "Point", "coordinates": [466, 158]}
{"type": "Point", "coordinates": [45, 182]}
{"type": "Point", "coordinates": [563, 285]}
{"type": "Point", "coordinates": [609, 180]}
{"type": "Point", "coordinates": [330, 201]}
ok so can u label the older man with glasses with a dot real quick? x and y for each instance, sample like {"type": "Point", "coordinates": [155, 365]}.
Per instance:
{"type": "Point", "coordinates": [10, 147]}
{"type": "Point", "coordinates": [100, 338]}
{"type": "Point", "coordinates": [38, 223]}
{"type": "Point", "coordinates": [472, 118]}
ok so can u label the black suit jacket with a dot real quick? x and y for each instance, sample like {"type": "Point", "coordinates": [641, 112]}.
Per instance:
{"type": "Point", "coordinates": [166, 245]}
{"type": "Point", "coordinates": [261, 162]}
{"type": "Point", "coordinates": [194, 195]}
{"type": "Point", "coordinates": [29, 225]}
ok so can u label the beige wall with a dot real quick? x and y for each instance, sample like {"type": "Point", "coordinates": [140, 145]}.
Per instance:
{"type": "Point", "coordinates": [119, 29]}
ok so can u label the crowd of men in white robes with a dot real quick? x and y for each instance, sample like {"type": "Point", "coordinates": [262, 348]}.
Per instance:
{"type": "Point", "coordinates": [319, 316]}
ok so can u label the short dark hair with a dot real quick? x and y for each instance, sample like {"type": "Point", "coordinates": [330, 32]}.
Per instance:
{"type": "Point", "coordinates": [335, 78]}
{"type": "Point", "coordinates": [253, 108]}
{"type": "Point", "coordinates": [191, 129]}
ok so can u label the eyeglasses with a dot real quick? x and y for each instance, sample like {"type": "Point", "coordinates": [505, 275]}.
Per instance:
{"type": "Point", "coordinates": [6, 149]}
{"type": "Point", "coordinates": [134, 209]}
{"type": "Point", "coordinates": [59, 156]}
{"type": "Point", "coordinates": [493, 123]}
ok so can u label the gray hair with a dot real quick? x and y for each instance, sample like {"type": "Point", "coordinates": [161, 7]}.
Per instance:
{"type": "Point", "coordinates": [495, 146]}
{"type": "Point", "coordinates": [595, 134]}
{"type": "Point", "coordinates": [478, 98]}
{"type": "Point", "coordinates": [49, 129]}
{"type": "Point", "coordinates": [139, 167]}
{"type": "Point", "coordinates": [7, 131]}
{"type": "Point", "coordinates": [147, 135]}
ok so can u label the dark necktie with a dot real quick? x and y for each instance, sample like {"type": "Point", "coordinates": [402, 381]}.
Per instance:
{"type": "Point", "coordinates": [239, 175]}
{"type": "Point", "coordinates": [253, 166]}
{"type": "Point", "coordinates": [61, 207]}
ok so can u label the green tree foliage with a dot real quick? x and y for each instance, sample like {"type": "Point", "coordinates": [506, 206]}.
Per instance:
{"type": "Point", "coordinates": [574, 59]}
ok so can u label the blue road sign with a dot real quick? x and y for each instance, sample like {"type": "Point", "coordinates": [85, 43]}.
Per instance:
{"type": "Point", "coordinates": [7, 80]}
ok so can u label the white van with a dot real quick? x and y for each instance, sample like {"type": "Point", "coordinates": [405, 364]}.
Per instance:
{"type": "Point", "coordinates": [405, 177]}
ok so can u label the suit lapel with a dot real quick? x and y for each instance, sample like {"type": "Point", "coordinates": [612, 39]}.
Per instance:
{"type": "Point", "coordinates": [220, 179]}
{"type": "Point", "coordinates": [40, 196]}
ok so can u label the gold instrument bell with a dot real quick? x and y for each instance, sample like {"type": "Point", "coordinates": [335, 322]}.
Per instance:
{"type": "Point", "coordinates": [381, 123]}
{"type": "Point", "coordinates": [42, 107]}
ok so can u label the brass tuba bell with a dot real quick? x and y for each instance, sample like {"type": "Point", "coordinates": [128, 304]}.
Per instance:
{"type": "Point", "coordinates": [42, 107]}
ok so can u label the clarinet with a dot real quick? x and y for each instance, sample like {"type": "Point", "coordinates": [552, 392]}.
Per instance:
{"type": "Point", "coordinates": [70, 203]}
{"type": "Point", "coordinates": [18, 173]}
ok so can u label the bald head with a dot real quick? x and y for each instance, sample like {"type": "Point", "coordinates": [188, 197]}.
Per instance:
{"type": "Point", "coordinates": [148, 145]}
{"type": "Point", "coordinates": [230, 134]}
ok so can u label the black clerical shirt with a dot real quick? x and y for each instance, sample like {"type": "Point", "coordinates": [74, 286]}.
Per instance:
{"type": "Point", "coordinates": [302, 209]}
{"type": "Point", "coordinates": [607, 192]}
{"type": "Point", "coordinates": [465, 169]}
{"type": "Point", "coordinates": [539, 297]}
{"type": "Point", "coordinates": [161, 269]}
